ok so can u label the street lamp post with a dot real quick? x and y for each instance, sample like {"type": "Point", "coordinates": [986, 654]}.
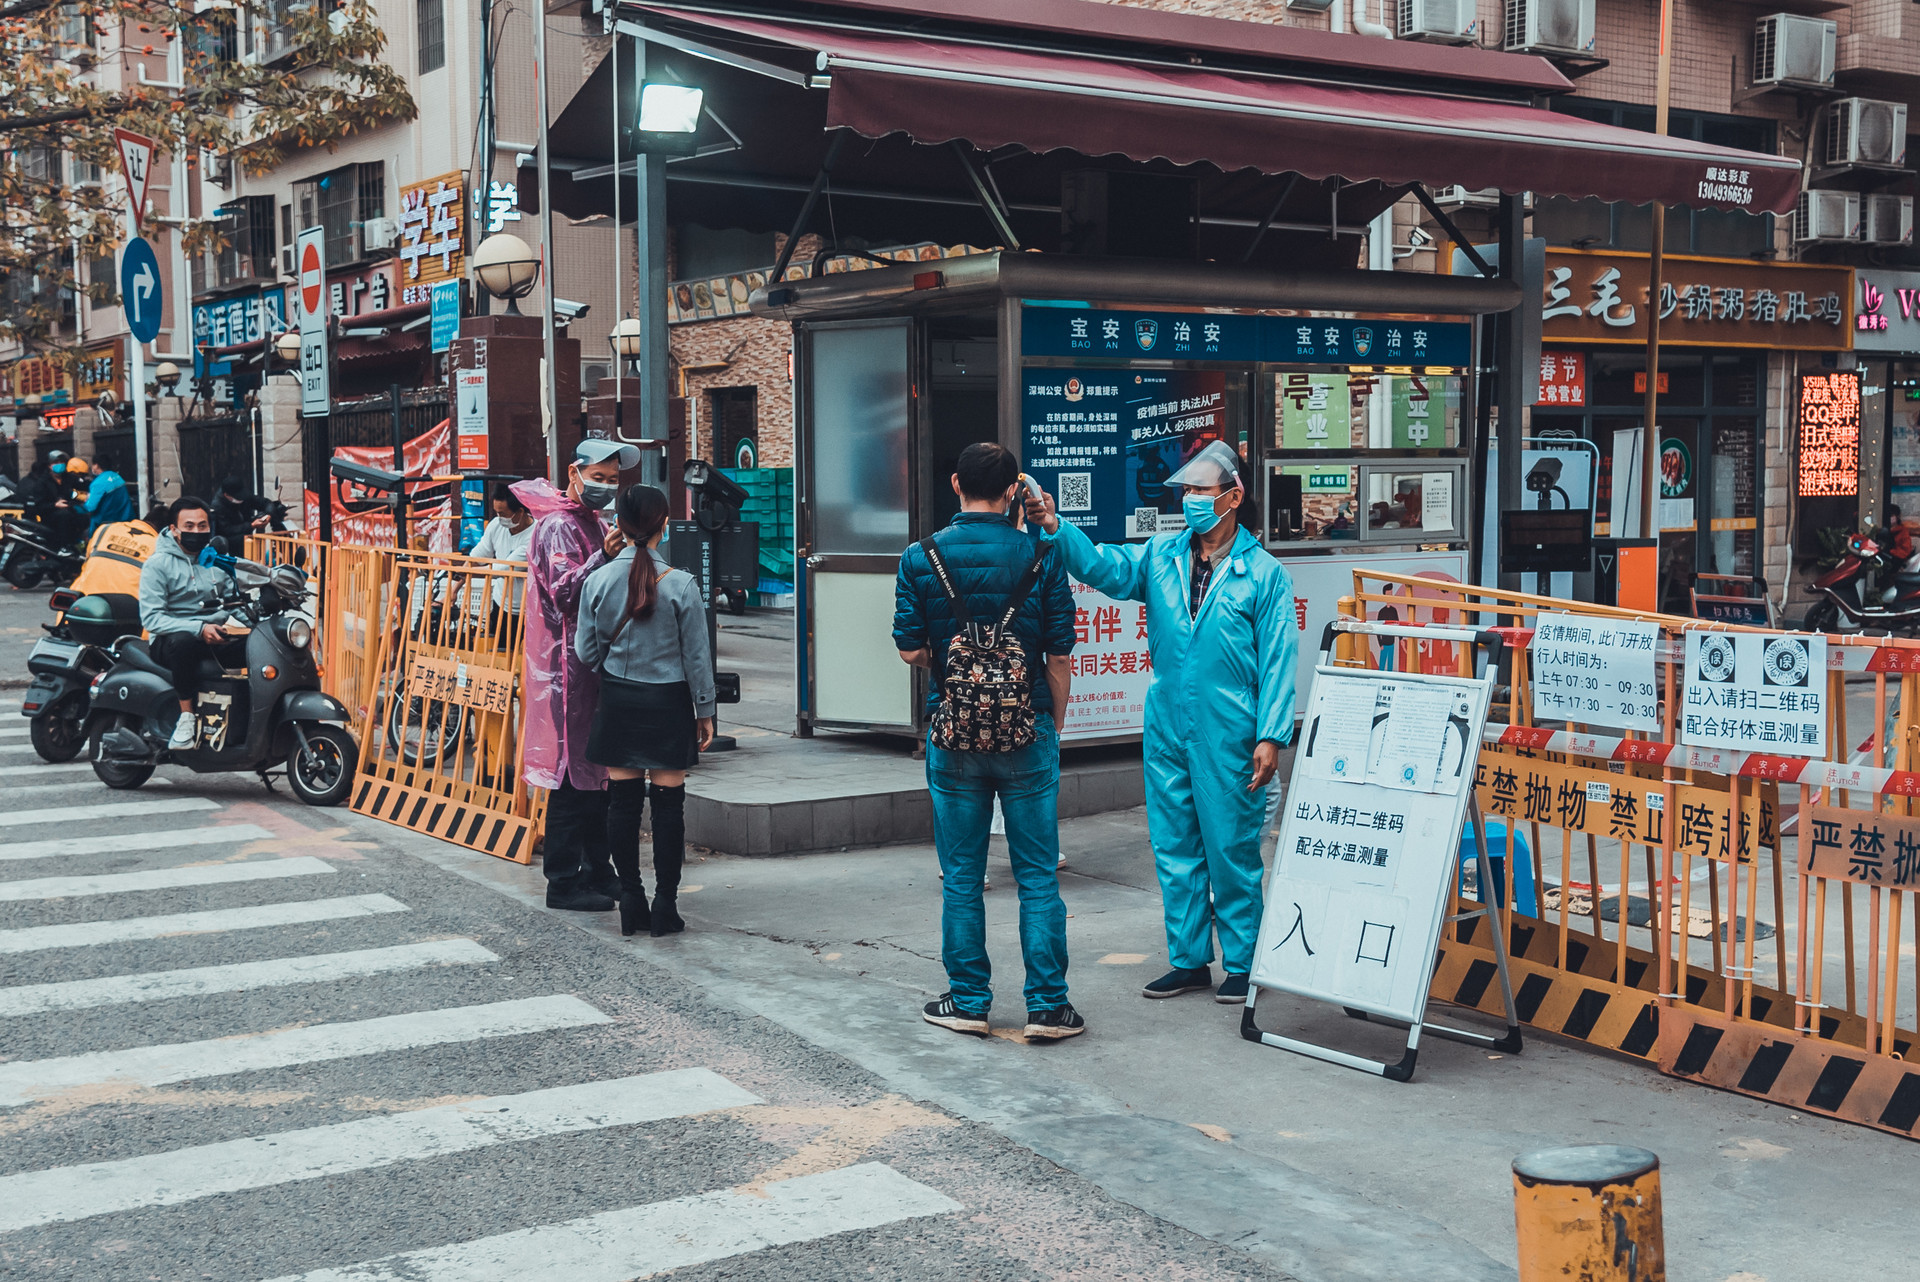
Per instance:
{"type": "Point", "coordinates": [167, 375]}
{"type": "Point", "coordinates": [506, 268]}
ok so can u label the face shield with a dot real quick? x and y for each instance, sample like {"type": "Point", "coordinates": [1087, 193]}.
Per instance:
{"type": "Point", "coordinates": [1214, 465]}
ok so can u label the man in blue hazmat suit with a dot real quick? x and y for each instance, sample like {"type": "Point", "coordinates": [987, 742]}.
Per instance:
{"type": "Point", "coordinates": [1220, 630]}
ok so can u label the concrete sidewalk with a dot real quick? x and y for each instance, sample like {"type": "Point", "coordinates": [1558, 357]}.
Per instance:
{"type": "Point", "coordinates": [1324, 1172]}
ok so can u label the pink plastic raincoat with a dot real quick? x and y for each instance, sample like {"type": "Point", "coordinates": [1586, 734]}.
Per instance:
{"type": "Point", "coordinates": [558, 692]}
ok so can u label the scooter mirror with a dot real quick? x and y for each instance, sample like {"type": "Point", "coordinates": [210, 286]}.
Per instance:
{"type": "Point", "coordinates": [289, 581]}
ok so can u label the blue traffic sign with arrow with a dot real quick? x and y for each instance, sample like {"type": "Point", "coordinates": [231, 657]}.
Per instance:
{"type": "Point", "coordinates": [140, 292]}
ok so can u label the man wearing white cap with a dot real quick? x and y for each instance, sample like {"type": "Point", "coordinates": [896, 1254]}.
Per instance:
{"type": "Point", "coordinates": [558, 692]}
{"type": "Point", "coordinates": [1220, 629]}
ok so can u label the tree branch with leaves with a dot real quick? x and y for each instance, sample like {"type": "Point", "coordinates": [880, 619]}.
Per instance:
{"type": "Point", "coordinates": [262, 80]}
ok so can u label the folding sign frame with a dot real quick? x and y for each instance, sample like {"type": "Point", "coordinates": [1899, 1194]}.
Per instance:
{"type": "Point", "coordinates": [1342, 893]}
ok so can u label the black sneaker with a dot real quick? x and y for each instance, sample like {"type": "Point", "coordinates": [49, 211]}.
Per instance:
{"type": "Point", "coordinates": [1232, 990]}
{"type": "Point", "coordinates": [944, 1013]}
{"type": "Point", "coordinates": [1053, 1025]}
{"type": "Point", "coordinates": [578, 898]}
{"type": "Point", "coordinates": [1180, 980]}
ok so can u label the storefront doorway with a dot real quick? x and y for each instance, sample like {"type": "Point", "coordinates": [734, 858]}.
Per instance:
{"type": "Point", "coordinates": [1711, 411]}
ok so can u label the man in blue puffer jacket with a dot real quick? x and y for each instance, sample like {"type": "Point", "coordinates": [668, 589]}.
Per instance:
{"type": "Point", "coordinates": [987, 556]}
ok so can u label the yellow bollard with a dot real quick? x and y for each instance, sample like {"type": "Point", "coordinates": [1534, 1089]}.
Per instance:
{"type": "Point", "coordinates": [1589, 1214]}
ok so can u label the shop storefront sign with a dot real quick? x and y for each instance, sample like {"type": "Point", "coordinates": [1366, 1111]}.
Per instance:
{"type": "Point", "coordinates": [1219, 336]}
{"type": "Point", "coordinates": [1829, 434]}
{"type": "Point", "coordinates": [98, 372]}
{"type": "Point", "coordinates": [224, 322]}
{"type": "Point", "coordinates": [1601, 297]}
{"type": "Point", "coordinates": [1886, 311]}
{"type": "Point", "coordinates": [39, 376]}
{"type": "Point", "coordinates": [363, 289]}
{"type": "Point", "coordinates": [1563, 379]}
{"type": "Point", "coordinates": [433, 243]}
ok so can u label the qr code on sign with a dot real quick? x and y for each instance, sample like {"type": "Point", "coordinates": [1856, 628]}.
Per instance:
{"type": "Point", "coordinates": [1076, 492]}
{"type": "Point", "coordinates": [1146, 520]}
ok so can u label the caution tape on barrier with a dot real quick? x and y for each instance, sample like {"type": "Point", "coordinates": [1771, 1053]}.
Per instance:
{"type": "Point", "coordinates": [1805, 771]}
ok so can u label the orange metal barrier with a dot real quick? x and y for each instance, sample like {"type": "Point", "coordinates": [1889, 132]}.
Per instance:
{"type": "Point", "coordinates": [1671, 969]}
{"type": "Point", "coordinates": [441, 750]}
{"type": "Point", "coordinates": [352, 584]}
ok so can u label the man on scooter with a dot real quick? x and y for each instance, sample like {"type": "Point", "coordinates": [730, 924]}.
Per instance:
{"type": "Point", "coordinates": [180, 609]}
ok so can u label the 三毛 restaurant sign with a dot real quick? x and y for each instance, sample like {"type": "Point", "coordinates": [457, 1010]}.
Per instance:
{"type": "Point", "coordinates": [1595, 296]}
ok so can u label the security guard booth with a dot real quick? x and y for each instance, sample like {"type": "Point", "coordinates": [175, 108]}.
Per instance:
{"type": "Point", "coordinates": [1348, 396]}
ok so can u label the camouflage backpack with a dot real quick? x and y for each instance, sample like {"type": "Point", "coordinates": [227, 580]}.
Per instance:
{"type": "Point", "coordinates": [986, 690]}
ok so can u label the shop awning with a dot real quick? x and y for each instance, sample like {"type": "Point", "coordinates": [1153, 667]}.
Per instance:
{"type": "Point", "coordinates": [991, 96]}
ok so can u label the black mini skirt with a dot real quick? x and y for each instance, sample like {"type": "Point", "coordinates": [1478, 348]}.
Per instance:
{"type": "Point", "coordinates": [643, 725]}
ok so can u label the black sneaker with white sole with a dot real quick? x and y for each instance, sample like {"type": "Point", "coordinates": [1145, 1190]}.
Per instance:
{"type": "Point", "coordinates": [1053, 1025]}
{"type": "Point", "coordinates": [1232, 990]}
{"type": "Point", "coordinates": [943, 1012]}
{"type": "Point", "coordinates": [1181, 979]}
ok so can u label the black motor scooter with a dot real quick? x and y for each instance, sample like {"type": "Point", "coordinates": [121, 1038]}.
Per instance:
{"type": "Point", "coordinates": [30, 552]}
{"type": "Point", "coordinates": [274, 712]}
{"type": "Point", "coordinates": [65, 662]}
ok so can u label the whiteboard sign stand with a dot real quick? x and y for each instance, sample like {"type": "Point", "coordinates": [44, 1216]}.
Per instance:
{"type": "Point", "coordinates": [1368, 859]}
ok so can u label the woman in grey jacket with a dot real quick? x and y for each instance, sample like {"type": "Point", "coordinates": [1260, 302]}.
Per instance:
{"type": "Point", "coordinates": [644, 626]}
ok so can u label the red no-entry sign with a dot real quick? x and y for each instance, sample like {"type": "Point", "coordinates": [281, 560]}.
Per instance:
{"type": "Point", "coordinates": [312, 279]}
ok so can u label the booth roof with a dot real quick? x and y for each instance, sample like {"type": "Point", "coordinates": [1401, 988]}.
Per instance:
{"type": "Point", "coordinates": [939, 90]}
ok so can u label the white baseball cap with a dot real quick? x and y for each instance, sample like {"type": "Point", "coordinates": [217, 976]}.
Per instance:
{"type": "Point", "coordinates": [598, 449]}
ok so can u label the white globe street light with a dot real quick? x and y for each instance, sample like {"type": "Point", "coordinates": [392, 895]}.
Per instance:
{"type": "Point", "coordinates": [506, 268]}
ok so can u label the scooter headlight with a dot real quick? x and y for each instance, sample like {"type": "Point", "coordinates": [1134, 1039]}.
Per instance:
{"type": "Point", "coordinates": [299, 633]}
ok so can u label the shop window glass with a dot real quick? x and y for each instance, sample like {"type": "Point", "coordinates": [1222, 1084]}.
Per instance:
{"type": "Point", "coordinates": [1331, 410]}
{"type": "Point", "coordinates": [858, 387]}
{"type": "Point", "coordinates": [1610, 379]}
{"type": "Point", "coordinates": [1736, 382]}
{"type": "Point", "coordinates": [1732, 531]}
{"type": "Point", "coordinates": [1686, 380]}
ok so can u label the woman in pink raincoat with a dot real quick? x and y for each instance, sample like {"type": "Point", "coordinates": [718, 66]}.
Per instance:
{"type": "Point", "coordinates": [558, 691]}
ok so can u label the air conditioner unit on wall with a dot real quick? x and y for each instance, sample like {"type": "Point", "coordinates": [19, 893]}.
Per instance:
{"type": "Point", "coordinates": [1789, 49]}
{"type": "Point", "coordinates": [1458, 197]}
{"type": "Point", "coordinates": [379, 233]}
{"type": "Point", "coordinates": [1441, 21]}
{"type": "Point", "coordinates": [286, 260]}
{"type": "Point", "coordinates": [1887, 220]}
{"type": "Point", "coordinates": [1549, 26]}
{"type": "Point", "coordinates": [1827, 216]}
{"type": "Point", "coordinates": [1866, 132]}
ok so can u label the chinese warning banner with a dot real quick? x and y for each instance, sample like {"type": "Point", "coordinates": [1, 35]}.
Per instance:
{"type": "Point", "coordinates": [1871, 848]}
{"type": "Point", "coordinates": [362, 517]}
{"type": "Point", "coordinates": [1111, 667]}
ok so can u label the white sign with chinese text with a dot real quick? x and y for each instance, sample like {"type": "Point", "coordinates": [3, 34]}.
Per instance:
{"type": "Point", "coordinates": [1592, 671]}
{"type": "Point", "coordinates": [310, 279]}
{"type": "Point", "coordinates": [1111, 667]}
{"type": "Point", "coordinates": [1369, 839]}
{"type": "Point", "coordinates": [1756, 692]}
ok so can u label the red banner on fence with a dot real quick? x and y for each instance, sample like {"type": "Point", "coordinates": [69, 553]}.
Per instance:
{"type": "Point", "coordinates": [363, 517]}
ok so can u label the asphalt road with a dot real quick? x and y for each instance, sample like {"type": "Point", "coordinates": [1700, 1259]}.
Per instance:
{"type": "Point", "coordinates": [245, 1040]}
{"type": "Point", "coordinates": [21, 614]}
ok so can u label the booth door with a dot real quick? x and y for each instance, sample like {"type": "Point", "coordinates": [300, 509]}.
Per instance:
{"type": "Point", "coordinates": [855, 497]}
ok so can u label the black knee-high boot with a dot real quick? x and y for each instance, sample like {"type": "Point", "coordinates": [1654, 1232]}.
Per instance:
{"type": "Point", "coordinates": [626, 798]}
{"type": "Point", "coordinates": [669, 853]}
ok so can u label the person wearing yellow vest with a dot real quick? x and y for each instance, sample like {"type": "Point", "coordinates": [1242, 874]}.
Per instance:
{"type": "Point", "coordinates": [116, 552]}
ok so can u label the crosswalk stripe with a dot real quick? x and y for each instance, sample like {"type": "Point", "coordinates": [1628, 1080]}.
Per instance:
{"type": "Point", "coordinates": [14, 790]}
{"type": "Point", "coordinates": [114, 810]}
{"type": "Point", "coordinates": [85, 934]}
{"type": "Point", "coordinates": [115, 883]}
{"type": "Point", "coordinates": [641, 1241]}
{"type": "Point", "coordinates": [132, 842]}
{"type": "Point", "coordinates": [9, 729]}
{"type": "Point", "coordinates": [46, 768]}
{"type": "Point", "coordinates": [24, 1081]}
{"type": "Point", "coordinates": [238, 977]}
{"type": "Point", "coordinates": [69, 1193]}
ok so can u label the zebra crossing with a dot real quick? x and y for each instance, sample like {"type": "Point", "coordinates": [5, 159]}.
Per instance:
{"type": "Point", "coordinates": [194, 902]}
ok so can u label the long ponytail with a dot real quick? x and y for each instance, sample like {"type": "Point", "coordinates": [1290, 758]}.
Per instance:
{"type": "Point", "coordinates": [642, 513]}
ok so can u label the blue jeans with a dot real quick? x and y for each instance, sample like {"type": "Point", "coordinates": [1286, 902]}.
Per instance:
{"type": "Point", "coordinates": [963, 785]}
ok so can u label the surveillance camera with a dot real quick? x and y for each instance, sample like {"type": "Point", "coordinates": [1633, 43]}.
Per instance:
{"type": "Point", "coordinates": [706, 480]}
{"type": "Point", "coordinates": [372, 478]}
{"type": "Point", "coordinates": [565, 309]}
{"type": "Point", "coordinates": [1418, 238]}
{"type": "Point", "coordinates": [1544, 475]}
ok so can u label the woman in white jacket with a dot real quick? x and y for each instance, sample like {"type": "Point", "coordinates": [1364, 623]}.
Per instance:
{"type": "Point", "coordinates": [504, 542]}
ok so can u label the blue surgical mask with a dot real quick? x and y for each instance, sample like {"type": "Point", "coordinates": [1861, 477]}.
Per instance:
{"type": "Point", "coordinates": [1199, 512]}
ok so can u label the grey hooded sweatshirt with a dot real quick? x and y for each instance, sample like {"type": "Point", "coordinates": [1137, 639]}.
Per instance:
{"type": "Point", "coordinates": [176, 593]}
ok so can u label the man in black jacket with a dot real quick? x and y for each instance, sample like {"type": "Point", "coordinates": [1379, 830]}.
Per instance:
{"type": "Point", "coordinates": [986, 557]}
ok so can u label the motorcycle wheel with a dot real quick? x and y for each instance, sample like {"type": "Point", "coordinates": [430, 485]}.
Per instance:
{"type": "Point", "coordinates": [321, 774]}
{"type": "Point", "coordinates": [58, 736]}
{"type": "Point", "coordinates": [118, 774]}
{"type": "Point", "coordinates": [422, 731]}
{"type": "Point", "coordinates": [23, 576]}
{"type": "Point", "coordinates": [1823, 617]}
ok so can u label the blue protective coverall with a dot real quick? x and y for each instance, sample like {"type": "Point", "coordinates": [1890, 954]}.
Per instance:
{"type": "Point", "coordinates": [1222, 681]}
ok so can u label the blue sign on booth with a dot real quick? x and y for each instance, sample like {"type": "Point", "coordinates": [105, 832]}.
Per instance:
{"type": "Point", "coordinates": [1073, 330]}
{"type": "Point", "coordinates": [141, 295]}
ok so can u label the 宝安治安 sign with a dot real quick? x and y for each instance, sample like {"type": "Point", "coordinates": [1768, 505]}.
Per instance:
{"type": "Point", "coordinates": [1756, 692]}
{"type": "Point", "coordinates": [470, 419]}
{"type": "Point", "coordinates": [1592, 671]}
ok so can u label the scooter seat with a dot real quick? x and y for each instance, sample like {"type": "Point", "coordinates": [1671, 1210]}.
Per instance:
{"type": "Point", "coordinates": [135, 651]}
